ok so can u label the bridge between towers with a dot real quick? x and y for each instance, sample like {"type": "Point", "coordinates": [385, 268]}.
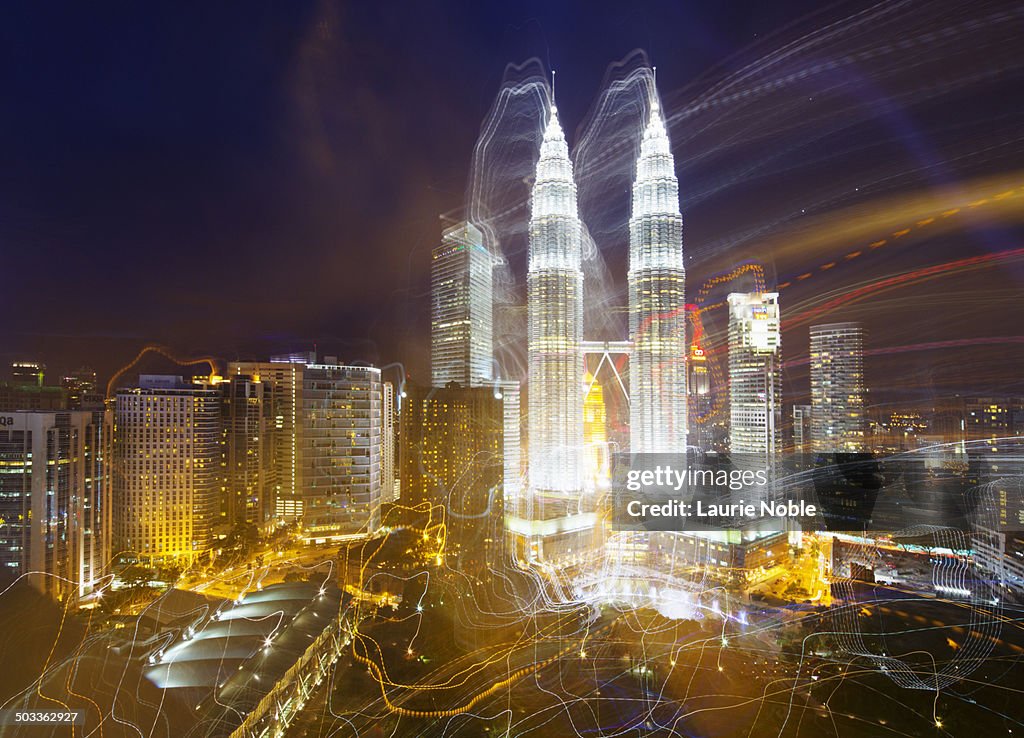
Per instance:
{"type": "Point", "coordinates": [606, 350]}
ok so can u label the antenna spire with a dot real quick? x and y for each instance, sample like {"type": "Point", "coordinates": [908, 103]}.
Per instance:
{"type": "Point", "coordinates": [552, 88]}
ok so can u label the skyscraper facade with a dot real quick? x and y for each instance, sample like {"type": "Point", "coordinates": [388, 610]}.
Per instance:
{"type": "Point", "coordinates": [452, 459]}
{"type": "Point", "coordinates": [462, 304]}
{"type": "Point", "coordinates": [340, 451]}
{"type": "Point", "coordinates": [657, 314]}
{"type": "Point", "coordinates": [597, 462]}
{"type": "Point", "coordinates": [284, 427]}
{"type": "Point", "coordinates": [55, 518]}
{"type": "Point", "coordinates": [250, 476]}
{"type": "Point", "coordinates": [553, 524]}
{"type": "Point", "coordinates": [166, 473]}
{"type": "Point", "coordinates": [387, 443]}
{"type": "Point", "coordinates": [755, 376]}
{"type": "Point", "coordinates": [837, 387]}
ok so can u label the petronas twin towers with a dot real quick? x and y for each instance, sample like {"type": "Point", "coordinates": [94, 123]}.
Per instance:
{"type": "Point", "coordinates": [558, 524]}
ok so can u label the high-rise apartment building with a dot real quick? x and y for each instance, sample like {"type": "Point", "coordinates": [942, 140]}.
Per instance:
{"type": "Point", "coordinates": [166, 469]}
{"type": "Point", "coordinates": [340, 451]}
{"type": "Point", "coordinates": [657, 315]}
{"type": "Point", "coordinates": [54, 517]}
{"type": "Point", "coordinates": [462, 304]}
{"type": "Point", "coordinates": [250, 475]}
{"type": "Point", "coordinates": [283, 378]}
{"type": "Point", "coordinates": [837, 387]}
{"type": "Point", "coordinates": [755, 377]}
{"type": "Point", "coordinates": [387, 444]}
{"type": "Point", "coordinates": [453, 459]}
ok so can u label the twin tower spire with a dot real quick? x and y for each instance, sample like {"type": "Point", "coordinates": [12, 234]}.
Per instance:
{"type": "Point", "coordinates": [559, 521]}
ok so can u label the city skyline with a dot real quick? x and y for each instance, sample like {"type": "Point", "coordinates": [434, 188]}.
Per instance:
{"type": "Point", "coordinates": [387, 370]}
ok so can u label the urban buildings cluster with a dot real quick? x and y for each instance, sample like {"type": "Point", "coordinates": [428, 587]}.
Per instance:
{"type": "Point", "coordinates": [164, 470]}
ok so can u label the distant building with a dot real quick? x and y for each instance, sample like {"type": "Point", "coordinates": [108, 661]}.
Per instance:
{"type": "Point", "coordinates": [700, 399]}
{"type": "Point", "coordinates": [461, 313]}
{"type": "Point", "coordinates": [991, 419]}
{"type": "Point", "coordinates": [340, 451]}
{"type": "Point", "coordinates": [755, 375]}
{"type": "Point", "coordinates": [28, 373]}
{"type": "Point", "coordinates": [596, 462]}
{"type": "Point", "coordinates": [837, 387]}
{"type": "Point", "coordinates": [82, 391]}
{"type": "Point", "coordinates": [14, 396]}
{"type": "Point", "coordinates": [802, 429]}
{"type": "Point", "coordinates": [54, 516]}
{"type": "Point", "coordinates": [387, 453]}
{"type": "Point", "coordinates": [166, 469]}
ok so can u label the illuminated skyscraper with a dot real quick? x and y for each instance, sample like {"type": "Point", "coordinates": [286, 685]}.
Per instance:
{"type": "Point", "coordinates": [56, 519]}
{"type": "Point", "coordinates": [387, 445]}
{"type": "Point", "coordinates": [250, 476]}
{"type": "Point", "coordinates": [452, 458]}
{"type": "Point", "coordinates": [657, 315]}
{"type": "Point", "coordinates": [341, 451]}
{"type": "Point", "coordinates": [595, 435]}
{"type": "Point", "coordinates": [755, 376]}
{"type": "Point", "coordinates": [553, 525]}
{"type": "Point", "coordinates": [837, 387]}
{"type": "Point", "coordinates": [166, 468]}
{"type": "Point", "coordinates": [699, 408]}
{"type": "Point", "coordinates": [461, 313]}
{"type": "Point", "coordinates": [284, 378]}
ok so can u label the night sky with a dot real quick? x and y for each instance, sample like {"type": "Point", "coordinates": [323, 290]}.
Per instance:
{"type": "Point", "coordinates": [242, 179]}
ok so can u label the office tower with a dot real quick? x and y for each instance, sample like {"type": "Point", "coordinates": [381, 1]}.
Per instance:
{"type": "Point", "coordinates": [250, 477]}
{"type": "Point", "coordinates": [837, 387]}
{"type": "Point", "coordinates": [657, 314]}
{"type": "Point", "coordinates": [801, 429]}
{"type": "Point", "coordinates": [166, 469]}
{"type": "Point", "coordinates": [54, 518]}
{"type": "Point", "coordinates": [340, 451]}
{"type": "Point", "coordinates": [461, 314]}
{"type": "Point", "coordinates": [553, 525]}
{"type": "Point", "coordinates": [81, 389]}
{"type": "Point", "coordinates": [699, 409]}
{"type": "Point", "coordinates": [452, 459]}
{"type": "Point", "coordinates": [755, 378]}
{"type": "Point", "coordinates": [986, 421]}
{"type": "Point", "coordinates": [14, 396]}
{"type": "Point", "coordinates": [597, 468]}
{"type": "Point", "coordinates": [28, 373]}
{"type": "Point", "coordinates": [387, 452]}
{"type": "Point", "coordinates": [284, 380]}
{"type": "Point", "coordinates": [508, 391]}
